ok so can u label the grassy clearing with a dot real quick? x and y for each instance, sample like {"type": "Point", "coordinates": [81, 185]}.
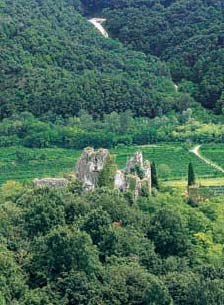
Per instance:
{"type": "Point", "coordinates": [22, 164]}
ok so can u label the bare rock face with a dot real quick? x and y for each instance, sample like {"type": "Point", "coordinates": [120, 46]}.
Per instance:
{"type": "Point", "coordinates": [50, 182]}
{"type": "Point", "coordinates": [89, 166]}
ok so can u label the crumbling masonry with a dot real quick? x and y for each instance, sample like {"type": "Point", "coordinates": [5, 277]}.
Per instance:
{"type": "Point", "coordinates": [94, 167]}
{"type": "Point", "coordinates": [136, 176]}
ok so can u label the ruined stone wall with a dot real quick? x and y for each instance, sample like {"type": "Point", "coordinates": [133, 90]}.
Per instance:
{"type": "Point", "coordinates": [135, 176]}
{"type": "Point", "coordinates": [97, 168]}
{"type": "Point", "coordinates": [50, 182]}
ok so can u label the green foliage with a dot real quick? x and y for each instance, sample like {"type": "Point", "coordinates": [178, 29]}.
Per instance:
{"type": "Point", "coordinates": [214, 152]}
{"type": "Point", "coordinates": [138, 170]}
{"type": "Point", "coordinates": [77, 288]}
{"type": "Point", "coordinates": [75, 186]}
{"type": "Point", "coordinates": [12, 279]}
{"type": "Point", "coordinates": [191, 175]}
{"type": "Point", "coordinates": [54, 61]}
{"type": "Point", "coordinates": [181, 286]}
{"type": "Point", "coordinates": [106, 176]}
{"type": "Point", "coordinates": [145, 188]}
{"type": "Point", "coordinates": [65, 86]}
{"type": "Point", "coordinates": [169, 233]}
{"type": "Point", "coordinates": [11, 190]}
{"type": "Point", "coordinates": [61, 247]}
{"type": "Point", "coordinates": [155, 182]}
{"type": "Point", "coordinates": [187, 34]}
{"type": "Point", "coordinates": [131, 284]}
{"type": "Point", "coordinates": [95, 224]}
{"type": "Point", "coordinates": [83, 131]}
{"type": "Point", "coordinates": [44, 209]}
{"type": "Point", "coordinates": [164, 170]}
{"type": "Point", "coordinates": [39, 297]}
{"type": "Point", "coordinates": [64, 249]}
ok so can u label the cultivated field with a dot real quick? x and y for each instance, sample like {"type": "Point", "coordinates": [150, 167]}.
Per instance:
{"type": "Point", "coordinates": [171, 159]}
{"type": "Point", "coordinates": [22, 164]}
{"type": "Point", "coordinates": [214, 152]}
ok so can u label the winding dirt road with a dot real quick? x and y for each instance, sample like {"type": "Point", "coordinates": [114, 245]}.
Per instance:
{"type": "Point", "coordinates": [97, 22]}
{"type": "Point", "coordinates": [196, 152]}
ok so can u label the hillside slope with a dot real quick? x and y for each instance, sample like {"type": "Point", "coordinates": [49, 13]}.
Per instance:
{"type": "Point", "coordinates": [54, 61]}
{"type": "Point", "coordinates": [187, 34]}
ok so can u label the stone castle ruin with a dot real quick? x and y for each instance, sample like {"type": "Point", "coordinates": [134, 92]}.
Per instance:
{"type": "Point", "coordinates": [136, 176]}
{"type": "Point", "coordinates": [96, 168]}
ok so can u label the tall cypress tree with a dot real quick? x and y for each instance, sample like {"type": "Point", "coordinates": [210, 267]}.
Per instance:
{"type": "Point", "coordinates": [155, 182]}
{"type": "Point", "coordinates": [191, 175]}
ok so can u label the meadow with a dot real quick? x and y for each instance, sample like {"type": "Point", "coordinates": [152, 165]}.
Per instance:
{"type": "Point", "coordinates": [24, 164]}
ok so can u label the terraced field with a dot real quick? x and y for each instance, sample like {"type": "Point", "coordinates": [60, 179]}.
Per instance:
{"type": "Point", "coordinates": [23, 164]}
{"type": "Point", "coordinates": [173, 157]}
{"type": "Point", "coordinates": [214, 152]}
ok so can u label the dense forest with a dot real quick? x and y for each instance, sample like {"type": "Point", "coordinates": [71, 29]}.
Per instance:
{"type": "Point", "coordinates": [72, 248]}
{"type": "Point", "coordinates": [187, 35]}
{"type": "Point", "coordinates": [112, 130]}
{"type": "Point", "coordinates": [53, 60]}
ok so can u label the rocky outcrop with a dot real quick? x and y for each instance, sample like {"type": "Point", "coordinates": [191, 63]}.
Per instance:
{"type": "Point", "coordinates": [50, 182]}
{"type": "Point", "coordinates": [90, 165]}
